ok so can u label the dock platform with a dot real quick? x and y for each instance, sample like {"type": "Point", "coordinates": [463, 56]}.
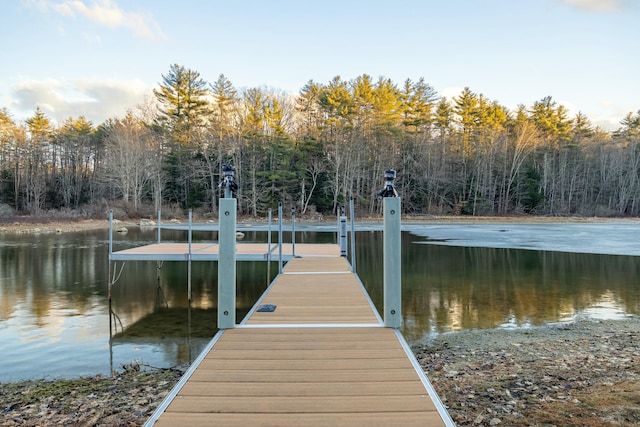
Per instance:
{"type": "Point", "coordinates": [168, 251]}
{"type": "Point", "coordinates": [313, 351]}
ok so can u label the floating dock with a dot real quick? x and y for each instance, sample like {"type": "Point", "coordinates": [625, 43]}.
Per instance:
{"type": "Point", "coordinates": [318, 355]}
{"type": "Point", "coordinates": [313, 351]}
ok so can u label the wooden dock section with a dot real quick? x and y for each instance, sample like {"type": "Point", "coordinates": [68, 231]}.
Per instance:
{"type": "Point", "coordinates": [167, 251]}
{"type": "Point", "coordinates": [321, 357]}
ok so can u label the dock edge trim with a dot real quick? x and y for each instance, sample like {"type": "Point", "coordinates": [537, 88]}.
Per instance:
{"type": "Point", "coordinates": [442, 410]}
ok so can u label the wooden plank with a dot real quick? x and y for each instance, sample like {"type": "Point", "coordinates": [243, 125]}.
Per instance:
{"type": "Point", "coordinates": [377, 419]}
{"type": "Point", "coordinates": [311, 249]}
{"type": "Point", "coordinates": [316, 264]}
{"type": "Point", "coordinates": [249, 363]}
{"type": "Point", "coordinates": [301, 404]}
{"type": "Point", "coordinates": [326, 334]}
{"type": "Point", "coordinates": [303, 376]}
{"type": "Point", "coordinates": [318, 278]}
{"type": "Point", "coordinates": [247, 389]}
{"type": "Point", "coordinates": [292, 315]}
{"type": "Point", "coordinates": [306, 345]}
{"type": "Point", "coordinates": [312, 321]}
{"type": "Point", "coordinates": [310, 354]}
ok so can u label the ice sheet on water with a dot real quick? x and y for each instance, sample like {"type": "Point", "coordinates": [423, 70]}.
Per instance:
{"type": "Point", "coordinates": [601, 238]}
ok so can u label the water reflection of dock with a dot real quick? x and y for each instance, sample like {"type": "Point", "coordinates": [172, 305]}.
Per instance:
{"type": "Point", "coordinates": [166, 322]}
{"type": "Point", "coordinates": [177, 328]}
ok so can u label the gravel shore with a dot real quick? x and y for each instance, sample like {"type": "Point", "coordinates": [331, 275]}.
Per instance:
{"type": "Point", "coordinates": [29, 225]}
{"type": "Point", "coordinates": [581, 374]}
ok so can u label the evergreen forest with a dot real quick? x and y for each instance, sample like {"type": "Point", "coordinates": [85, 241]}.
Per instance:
{"type": "Point", "coordinates": [313, 150]}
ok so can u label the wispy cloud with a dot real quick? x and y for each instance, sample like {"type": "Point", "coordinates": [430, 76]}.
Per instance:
{"type": "Point", "coordinates": [97, 100]}
{"type": "Point", "coordinates": [106, 13]}
{"type": "Point", "coordinates": [599, 5]}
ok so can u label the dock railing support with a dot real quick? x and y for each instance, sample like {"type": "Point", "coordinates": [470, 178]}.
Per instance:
{"type": "Point", "coordinates": [342, 233]}
{"type": "Point", "coordinates": [392, 263]}
{"type": "Point", "coordinates": [189, 258]}
{"type": "Point", "coordinates": [227, 265]}
{"type": "Point", "coordinates": [280, 237]}
{"type": "Point", "coordinates": [269, 235]}
{"type": "Point", "coordinates": [353, 234]}
{"type": "Point", "coordinates": [227, 251]}
{"type": "Point", "coordinates": [293, 231]}
{"type": "Point", "coordinates": [110, 250]}
{"type": "Point", "coordinates": [392, 240]}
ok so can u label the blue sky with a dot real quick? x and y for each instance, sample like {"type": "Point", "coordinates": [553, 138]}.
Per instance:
{"type": "Point", "coordinates": [98, 58]}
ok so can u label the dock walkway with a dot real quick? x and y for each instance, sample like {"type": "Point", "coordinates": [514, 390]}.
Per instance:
{"type": "Point", "coordinates": [321, 357]}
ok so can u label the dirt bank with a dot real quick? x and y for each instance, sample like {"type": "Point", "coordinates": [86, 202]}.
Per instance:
{"type": "Point", "coordinates": [28, 225]}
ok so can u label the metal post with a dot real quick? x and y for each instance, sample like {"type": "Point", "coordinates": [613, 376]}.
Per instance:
{"type": "Point", "coordinates": [392, 256]}
{"type": "Point", "coordinates": [392, 263]}
{"type": "Point", "coordinates": [189, 259]}
{"type": "Point", "coordinates": [227, 264]}
{"type": "Point", "coordinates": [338, 225]}
{"type": "Point", "coordinates": [280, 237]}
{"type": "Point", "coordinates": [269, 236]}
{"type": "Point", "coordinates": [343, 233]}
{"type": "Point", "coordinates": [293, 231]}
{"type": "Point", "coordinates": [353, 234]}
{"type": "Point", "coordinates": [269, 247]}
{"type": "Point", "coordinates": [159, 263]}
{"type": "Point", "coordinates": [110, 252]}
{"type": "Point", "coordinates": [110, 233]}
{"type": "Point", "coordinates": [110, 337]}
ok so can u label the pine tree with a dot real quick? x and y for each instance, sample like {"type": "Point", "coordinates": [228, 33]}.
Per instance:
{"type": "Point", "coordinates": [467, 108]}
{"type": "Point", "coordinates": [183, 99]}
{"type": "Point", "coordinates": [183, 116]}
{"type": "Point", "coordinates": [40, 132]}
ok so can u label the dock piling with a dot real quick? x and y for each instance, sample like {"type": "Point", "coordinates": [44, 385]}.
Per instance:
{"type": "Point", "coordinates": [392, 263]}
{"type": "Point", "coordinates": [227, 264]}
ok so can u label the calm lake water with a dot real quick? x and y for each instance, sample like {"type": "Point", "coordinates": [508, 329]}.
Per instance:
{"type": "Point", "coordinates": [55, 320]}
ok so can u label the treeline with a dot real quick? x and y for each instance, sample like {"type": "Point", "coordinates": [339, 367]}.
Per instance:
{"type": "Point", "coordinates": [464, 156]}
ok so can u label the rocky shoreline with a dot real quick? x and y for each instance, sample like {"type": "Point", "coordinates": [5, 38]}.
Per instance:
{"type": "Point", "coordinates": [29, 226]}
{"type": "Point", "coordinates": [125, 399]}
{"type": "Point", "coordinates": [35, 225]}
{"type": "Point", "coordinates": [585, 373]}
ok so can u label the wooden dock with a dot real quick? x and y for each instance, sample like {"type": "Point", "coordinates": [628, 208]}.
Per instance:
{"type": "Point", "coordinates": [168, 251]}
{"type": "Point", "coordinates": [321, 357]}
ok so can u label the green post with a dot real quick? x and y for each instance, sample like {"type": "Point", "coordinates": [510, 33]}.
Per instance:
{"type": "Point", "coordinates": [392, 263]}
{"type": "Point", "coordinates": [227, 264]}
